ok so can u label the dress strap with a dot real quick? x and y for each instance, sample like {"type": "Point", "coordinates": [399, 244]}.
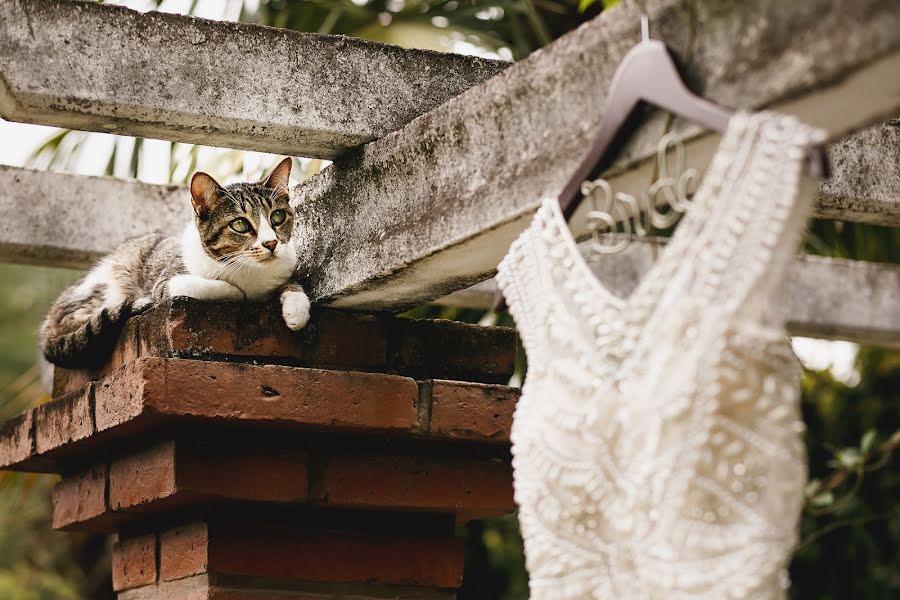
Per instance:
{"type": "Point", "coordinates": [734, 242]}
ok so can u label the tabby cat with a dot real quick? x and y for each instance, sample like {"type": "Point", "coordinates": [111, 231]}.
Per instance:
{"type": "Point", "coordinates": [237, 247]}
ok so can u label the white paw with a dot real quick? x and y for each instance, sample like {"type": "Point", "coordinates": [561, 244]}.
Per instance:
{"type": "Point", "coordinates": [183, 285]}
{"type": "Point", "coordinates": [141, 304]}
{"type": "Point", "coordinates": [201, 288]}
{"type": "Point", "coordinates": [295, 309]}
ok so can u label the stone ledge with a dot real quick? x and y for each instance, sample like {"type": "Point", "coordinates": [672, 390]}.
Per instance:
{"type": "Point", "coordinates": [281, 552]}
{"type": "Point", "coordinates": [106, 68]}
{"type": "Point", "coordinates": [446, 195]}
{"type": "Point", "coordinates": [333, 339]}
{"type": "Point", "coordinates": [152, 395]}
{"type": "Point", "coordinates": [184, 475]}
{"type": "Point", "coordinates": [205, 587]}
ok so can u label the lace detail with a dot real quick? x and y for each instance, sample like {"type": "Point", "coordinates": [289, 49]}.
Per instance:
{"type": "Point", "coordinates": [657, 444]}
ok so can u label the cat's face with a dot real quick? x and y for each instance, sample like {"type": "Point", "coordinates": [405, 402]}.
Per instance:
{"type": "Point", "coordinates": [245, 223]}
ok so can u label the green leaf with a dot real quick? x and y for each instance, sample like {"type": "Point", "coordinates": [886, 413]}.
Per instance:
{"type": "Point", "coordinates": [583, 5]}
{"type": "Point", "coordinates": [849, 458]}
{"type": "Point", "coordinates": [868, 441]}
{"type": "Point", "coordinates": [811, 488]}
{"type": "Point", "coordinates": [825, 499]}
{"type": "Point", "coordinates": [894, 440]}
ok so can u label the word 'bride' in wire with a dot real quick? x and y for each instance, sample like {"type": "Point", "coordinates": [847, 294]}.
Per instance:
{"type": "Point", "coordinates": [639, 216]}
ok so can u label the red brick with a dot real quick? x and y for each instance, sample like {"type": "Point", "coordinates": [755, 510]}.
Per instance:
{"type": "Point", "coordinates": [126, 350]}
{"type": "Point", "coordinates": [189, 471]}
{"type": "Point", "coordinates": [152, 389]}
{"type": "Point", "coordinates": [183, 552]}
{"type": "Point", "coordinates": [64, 420]}
{"type": "Point", "coordinates": [151, 392]}
{"type": "Point", "coordinates": [190, 588]}
{"type": "Point", "coordinates": [221, 593]}
{"type": "Point", "coordinates": [134, 562]}
{"type": "Point", "coordinates": [66, 381]}
{"type": "Point", "coordinates": [477, 487]}
{"type": "Point", "coordinates": [472, 411]}
{"type": "Point", "coordinates": [329, 592]}
{"type": "Point", "coordinates": [238, 472]}
{"type": "Point", "coordinates": [312, 397]}
{"type": "Point", "coordinates": [439, 349]}
{"type": "Point", "coordinates": [191, 328]}
{"type": "Point", "coordinates": [142, 477]}
{"type": "Point", "coordinates": [333, 339]}
{"type": "Point", "coordinates": [198, 587]}
{"type": "Point", "coordinates": [311, 556]}
{"type": "Point", "coordinates": [16, 441]}
{"type": "Point", "coordinates": [122, 395]}
{"type": "Point", "coordinates": [80, 498]}
{"type": "Point", "coordinates": [349, 340]}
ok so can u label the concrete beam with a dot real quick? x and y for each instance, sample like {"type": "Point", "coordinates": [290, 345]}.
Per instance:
{"type": "Point", "coordinates": [71, 220]}
{"type": "Point", "coordinates": [85, 65]}
{"type": "Point", "coordinates": [865, 184]}
{"type": "Point", "coordinates": [829, 298]}
{"type": "Point", "coordinates": [845, 300]}
{"type": "Point", "coordinates": [433, 207]}
{"type": "Point", "coordinates": [56, 219]}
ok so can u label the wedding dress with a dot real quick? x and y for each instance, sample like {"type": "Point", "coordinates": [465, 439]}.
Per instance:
{"type": "Point", "coordinates": [657, 445]}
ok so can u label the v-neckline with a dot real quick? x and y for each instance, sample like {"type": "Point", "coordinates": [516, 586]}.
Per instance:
{"type": "Point", "coordinates": [623, 302]}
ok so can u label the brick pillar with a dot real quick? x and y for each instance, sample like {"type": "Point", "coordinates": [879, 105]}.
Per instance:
{"type": "Point", "coordinates": [237, 460]}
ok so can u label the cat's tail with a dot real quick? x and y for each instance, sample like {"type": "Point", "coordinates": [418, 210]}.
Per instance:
{"type": "Point", "coordinates": [83, 335]}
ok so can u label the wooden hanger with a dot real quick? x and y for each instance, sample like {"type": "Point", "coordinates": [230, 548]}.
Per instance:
{"type": "Point", "coordinates": [648, 74]}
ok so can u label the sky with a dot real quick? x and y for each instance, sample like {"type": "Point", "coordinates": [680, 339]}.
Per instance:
{"type": "Point", "coordinates": [18, 142]}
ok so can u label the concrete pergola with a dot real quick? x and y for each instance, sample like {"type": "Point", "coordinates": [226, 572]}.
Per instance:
{"type": "Point", "coordinates": [439, 162]}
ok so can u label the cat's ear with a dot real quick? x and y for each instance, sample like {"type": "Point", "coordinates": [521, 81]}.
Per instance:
{"type": "Point", "coordinates": [278, 178]}
{"type": "Point", "coordinates": [204, 193]}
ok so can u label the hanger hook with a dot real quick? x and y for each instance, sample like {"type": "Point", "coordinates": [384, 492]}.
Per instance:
{"type": "Point", "coordinates": [645, 28]}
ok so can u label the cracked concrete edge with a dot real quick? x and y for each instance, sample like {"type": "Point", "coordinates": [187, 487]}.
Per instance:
{"type": "Point", "coordinates": [432, 207]}
{"type": "Point", "coordinates": [91, 66]}
{"type": "Point", "coordinates": [828, 298]}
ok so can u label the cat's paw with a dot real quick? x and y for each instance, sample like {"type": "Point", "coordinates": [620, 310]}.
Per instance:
{"type": "Point", "coordinates": [200, 288]}
{"type": "Point", "coordinates": [141, 305]}
{"type": "Point", "coordinates": [295, 309]}
{"type": "Point", "coordinates": [184, 286]}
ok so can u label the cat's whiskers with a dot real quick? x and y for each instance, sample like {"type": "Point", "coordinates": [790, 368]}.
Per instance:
{"type": "Point", "coordinates": [273, 195]}
{"type": "Point", "coordinates": [238, 204]}
{"type": "Point", "coordinates": [227, 265]}
{"type": "Point", "coordinates": [230, 268]}
{"type": "Point", "coordinates": [229, 255]}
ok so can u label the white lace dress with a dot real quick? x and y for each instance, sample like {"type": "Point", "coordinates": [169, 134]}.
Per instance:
{"type": "Point", "coordinates": [657, 445]}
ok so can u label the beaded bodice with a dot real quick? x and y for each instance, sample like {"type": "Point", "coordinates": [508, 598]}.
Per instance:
{"type": "Point", "coordinates": [657, 446]}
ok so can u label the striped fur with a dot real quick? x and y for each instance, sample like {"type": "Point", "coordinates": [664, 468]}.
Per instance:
{"type": "Point", "coordinates": [211, 259]}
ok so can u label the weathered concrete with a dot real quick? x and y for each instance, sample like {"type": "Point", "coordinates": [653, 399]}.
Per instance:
{"type": "Point", "coordinates": [71, 220]}
{"type": "Point", "coordinates": [433, 207]}
{"type": "Point", "coordinates": [56, 219]}
{"type": "Point", "coordinates": [846, 300]}
{"type": "Point", "coordinates": [829, 298]}
{"type": "Point", "coordinates": [90, 66]}
{"type": "Point", "coordinates": [47, 226]}
{"type": "Point", "coordinates": [865, 185]}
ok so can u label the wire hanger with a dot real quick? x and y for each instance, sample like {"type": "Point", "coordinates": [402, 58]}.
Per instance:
{"type": "Point", "coordinates": [648, 74]}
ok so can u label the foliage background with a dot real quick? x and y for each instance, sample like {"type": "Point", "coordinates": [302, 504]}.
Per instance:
{"type": "Point", "coordinates": [851, 527]}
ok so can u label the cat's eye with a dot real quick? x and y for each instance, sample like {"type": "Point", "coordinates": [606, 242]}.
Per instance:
{"type": "Point", "coordinates": [241, 225]}
{"type": "Point", "coordinates": [278, 217]}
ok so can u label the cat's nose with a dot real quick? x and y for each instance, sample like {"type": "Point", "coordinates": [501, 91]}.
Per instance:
{"type": "Point", "coordinates": [270, 245]}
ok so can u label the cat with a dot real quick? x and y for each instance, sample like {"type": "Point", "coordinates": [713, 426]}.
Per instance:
{"type": "Point", "coordinates": [236, 247]}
